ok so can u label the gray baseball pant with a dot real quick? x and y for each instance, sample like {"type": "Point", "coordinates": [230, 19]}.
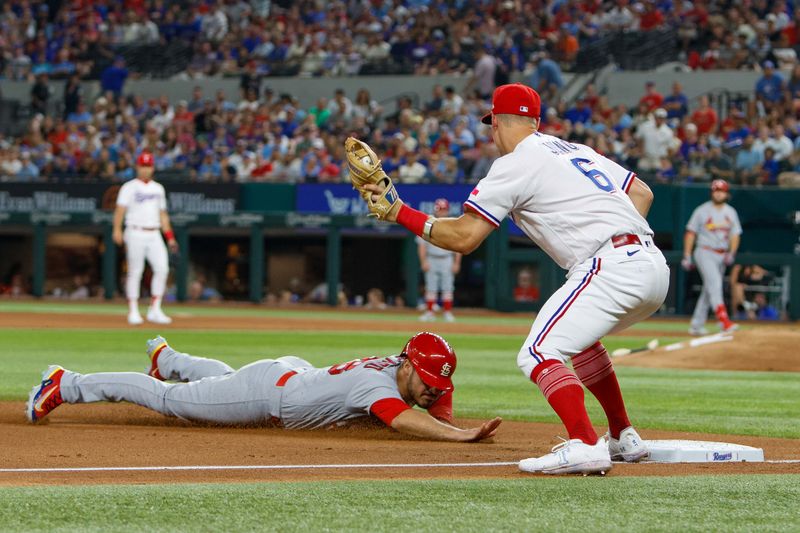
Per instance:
{"type": "Point", "coordinates": [211, 390]}
{"type": "Point", "coordinates": [711, 266]}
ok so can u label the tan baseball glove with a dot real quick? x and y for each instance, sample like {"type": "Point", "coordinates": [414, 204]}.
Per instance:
{"type": "Point", "coordinates": [365, 168]}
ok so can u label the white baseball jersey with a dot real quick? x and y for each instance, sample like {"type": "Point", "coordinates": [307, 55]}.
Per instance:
{"type": "Point", "coordinates": [144, 202]}
{"type": "Point", "coordinates": [713, 226]}
{"type": "Point", "coordinates": [566, 197]}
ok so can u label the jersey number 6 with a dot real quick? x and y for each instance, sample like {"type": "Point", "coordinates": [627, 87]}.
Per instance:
{"type": "Point", "coordinates": [598, 178]}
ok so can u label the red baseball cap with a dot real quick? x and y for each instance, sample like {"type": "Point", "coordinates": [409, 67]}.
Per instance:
{"type": "Point", "coordinates": [145, 159]}
{"type": "Point", "coordinates": [514, 99]}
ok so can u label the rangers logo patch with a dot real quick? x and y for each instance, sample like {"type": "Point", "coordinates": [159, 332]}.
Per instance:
{"type": "Point", "coordinates": [446, 369]}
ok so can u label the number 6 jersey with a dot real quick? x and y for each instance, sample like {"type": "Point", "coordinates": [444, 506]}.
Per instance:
{"type": "Point", "coordinates": [566, 197]}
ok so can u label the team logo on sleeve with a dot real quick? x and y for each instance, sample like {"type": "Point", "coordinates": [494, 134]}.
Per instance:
{"type": "Point", "coordinates": [446, 370]}
{"type": "Point", "coordinates": [474, 192]}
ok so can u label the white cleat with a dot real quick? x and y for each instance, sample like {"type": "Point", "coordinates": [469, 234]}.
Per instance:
{"type": "Point", "coordinates": [629, 447]}
{"type": "Point", "coordinates": [135, 319]}
{"type": "Point", "coordinates": [448, 317]}
{"type": "Point", "coordinates": [427, 316]}
{"type": "Point", "coordinates": [697, 332]}
{"type": "Point", "coordinates": [731, 328]}
{"type": "Point", "coordinates": [157, 316]}
{"type": "Point", "coordinates": [571, 457]}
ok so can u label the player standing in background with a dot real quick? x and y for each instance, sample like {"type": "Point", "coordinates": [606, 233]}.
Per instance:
{"type": "Point", "coordinates": [142, 204]}
{"type": "Point", "coordinates": [440, 267]}
{"type": "Point", "coordinates": [714, 226]}
{"type": "Point", "coordinates": [288, 391]}
{"type": "Point", "coordinates": [572, 202]}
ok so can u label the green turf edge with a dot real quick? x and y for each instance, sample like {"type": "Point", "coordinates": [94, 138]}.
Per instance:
{"type": "Point", "coordinates": [641, 504]}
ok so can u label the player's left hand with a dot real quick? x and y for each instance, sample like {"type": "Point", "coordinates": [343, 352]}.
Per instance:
{"type": "Point", "coordinates": [486, 430]}
{"type": "Point", "coordinates": [729, 259]}
{"type": "Point", "coordinates": [369, 179]}
{"type": "Point", "coordinates": [456, 268]}
{"type": "Point", "coordinates": [172, 244]}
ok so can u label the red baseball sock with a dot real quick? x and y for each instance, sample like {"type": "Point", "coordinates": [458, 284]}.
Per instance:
{"type": "Point", "coordinates": [722, 315]}
{"type": "Point", "coordinates": [447, 305]}
{"type": "Point", "coordinates": [593, 367]}
{"type": "Point", "coordinates": [564, 393]}
{"type": "Point", "coordinates": [429, 304]}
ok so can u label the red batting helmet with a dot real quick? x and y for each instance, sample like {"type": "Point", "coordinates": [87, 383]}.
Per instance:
{"type": "Point", "coordinates": [145, 159]}
{"type": "Point", "coordinates": [432, 358]}
{"type": "Point", "coordinates": [442, 204]}
{"type": "Point", "coordinates": [719, 185]}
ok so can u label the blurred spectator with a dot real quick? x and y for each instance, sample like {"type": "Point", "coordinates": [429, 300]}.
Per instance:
{"type": "Point", "coordinates": [412, 171]}
{"type": "Point", "coordinates": [114, 76]}
{"type": "Point", "coordinates": [482, 80]}
{"type": "Point", "coordinates": [770, 87]}
{"type": "Point", "coordinates": [526, 290]}
{"type": "Point", "coordinates": [761, 308]}
{"type": "Point", "coordinates": [718, 164]}
{"type": "Point", "coordinates": [704, 117]}
{"type": "Point", "coordinates": [742, 276]}
{"type": "Point", "coordinates": [546, 77]}
{"type": "Point", "coordinates": [375, 300]}
{"type": "Point", "coordinates": [658, 140]}
{"type": "Point", "coordinates": [72, 95]}
{"type": "Point", "coordinates": [652, 99]}
{"type": "Point", "coordinates": [40, 94]}
{"type": "Point", "coordinates": [749, 161]}
{"type": "Point", "coordinates": [199, 291]}
{"type": "Point", "coordinates": [676, 103]}
{"type": "Point", "coordinates": [769, 169]}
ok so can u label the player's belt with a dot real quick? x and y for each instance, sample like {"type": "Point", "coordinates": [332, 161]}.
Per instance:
{"type": "Point", "coordinates": [625, 240]}
{"type": "Point", "coordinates": [715, 250]}
{"type": "Point", "coordinates": [284, 378]}
{"type": "Point", "coordinates": [140, 228]}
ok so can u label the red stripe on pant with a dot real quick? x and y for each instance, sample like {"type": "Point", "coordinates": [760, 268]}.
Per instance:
{"type": "Point", "coordinates": [564, 393]}
{"type": "Point", "coordinates": [593, 367]}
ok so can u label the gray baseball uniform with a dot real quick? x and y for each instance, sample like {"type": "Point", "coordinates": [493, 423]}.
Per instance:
{"type": "Point", "coordinates": [288, 391]}
{"type": "Point", "coordinates": [713, 227]}
{"type": "Point", "coordinates": [439, 276]}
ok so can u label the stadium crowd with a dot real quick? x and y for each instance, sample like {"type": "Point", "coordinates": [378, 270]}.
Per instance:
{"type": "Point", "coordinates": [262, 136]}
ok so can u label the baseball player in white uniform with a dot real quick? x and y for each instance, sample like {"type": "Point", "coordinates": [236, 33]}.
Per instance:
{"type": "Point", "coordinates": [714, 226]}
{"type": "Point", "coordinates": [142, 204]}
{"type": "Point", "coordinates": [587, 213]}
{"type": "Point", "coordinates": [287, 391]}
{"type": "Point", "coordinates": [440, 267]}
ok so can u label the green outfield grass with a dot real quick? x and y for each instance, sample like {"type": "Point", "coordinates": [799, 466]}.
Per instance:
{"type": "Point", "coordinates": [187, 311]}
{"type": "Point", "coordinates": [487, 379]}
{"type": "Point", "coordinates": [722, 503]}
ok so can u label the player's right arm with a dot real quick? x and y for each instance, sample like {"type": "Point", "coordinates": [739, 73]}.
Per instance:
{"type": "Point", "coordinates": [421, 424]}
{"type": "Point", "coordinates": [641, 196]}
{"type": "Point", "coordinates": [119, 216]}
{"type": "Point", "coordinates": [463, 234]}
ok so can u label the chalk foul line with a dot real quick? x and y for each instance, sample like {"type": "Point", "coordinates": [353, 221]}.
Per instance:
{"type": "Point", "coordinates": [301, 467]}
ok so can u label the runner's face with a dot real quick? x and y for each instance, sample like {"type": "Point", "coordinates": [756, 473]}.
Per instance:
{"type": "Point", "coordinates": [423, 395]}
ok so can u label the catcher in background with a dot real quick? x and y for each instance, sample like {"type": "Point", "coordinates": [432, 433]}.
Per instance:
{"type": "Point", "coordinates": [288, 392]}
{"type": "Point", "coordinates": [440, 267]}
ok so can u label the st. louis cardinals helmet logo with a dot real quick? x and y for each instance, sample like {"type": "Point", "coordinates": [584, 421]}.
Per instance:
{"type": "Point", "coordinates": [446, 369]}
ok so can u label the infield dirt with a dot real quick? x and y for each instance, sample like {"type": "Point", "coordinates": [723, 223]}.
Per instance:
{"type": "Point", "coordinates": [108, 435]}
